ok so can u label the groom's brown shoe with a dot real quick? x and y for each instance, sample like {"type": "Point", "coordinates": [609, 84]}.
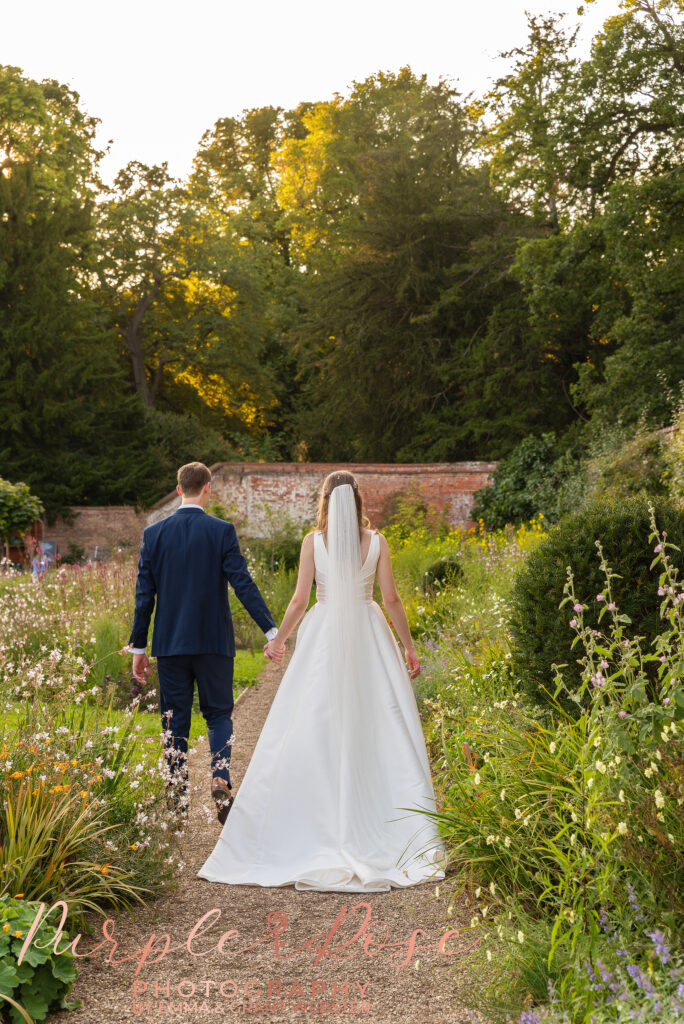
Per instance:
{"type": "Point", "coordinates": [222, 797]}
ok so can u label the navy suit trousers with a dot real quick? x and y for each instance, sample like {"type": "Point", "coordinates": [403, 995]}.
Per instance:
{"type": "Point", "coordinates": [214, 676]}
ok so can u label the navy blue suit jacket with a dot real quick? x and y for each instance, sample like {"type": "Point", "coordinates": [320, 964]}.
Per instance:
{"type": "Point", "coordinates": [185, 561]}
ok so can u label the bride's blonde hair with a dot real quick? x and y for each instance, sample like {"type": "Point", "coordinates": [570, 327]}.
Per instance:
{"type": "Point", "coordinates": [332, 481]}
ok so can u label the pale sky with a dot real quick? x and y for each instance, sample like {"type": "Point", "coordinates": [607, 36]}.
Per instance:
{"type": "Point", "coordinates": [159, 74]}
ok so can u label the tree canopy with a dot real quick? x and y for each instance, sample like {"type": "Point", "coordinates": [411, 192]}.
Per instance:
{"type": "Point", "coordinates": [400, 273]}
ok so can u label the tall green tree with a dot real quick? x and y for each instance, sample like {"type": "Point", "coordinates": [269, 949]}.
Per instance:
{"type": "Point", "coordinates": [405, 251]}
{"type": "Point", "coordinates": [179, 297]}
{"type": "Point", "coordinates": [68, 427]}
{"type": "Point", "coordinates": [593, 150]}
{"type": "Point", "coordinates": [236, 186]}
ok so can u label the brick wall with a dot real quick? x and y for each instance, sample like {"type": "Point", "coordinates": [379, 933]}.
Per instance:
{"type": "Point", "coordinates": [259, 493]}
{"type": "Point", "coordinates": [291, 489]}
{"type": "Point", "coordinates": [100, 529]}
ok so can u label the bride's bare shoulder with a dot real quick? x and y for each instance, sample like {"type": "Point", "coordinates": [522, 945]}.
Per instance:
{"type": "Point", "coordinates": [384, 546]}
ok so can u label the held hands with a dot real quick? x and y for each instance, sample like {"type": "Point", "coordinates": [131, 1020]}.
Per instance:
{"type": "Point", "coordinates": [274, 650]}
{"type": "Point", "coordinates": [413, 661]}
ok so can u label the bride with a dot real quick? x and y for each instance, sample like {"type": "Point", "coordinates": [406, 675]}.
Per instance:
{"type": "Point", "coordinates": [338, 793]}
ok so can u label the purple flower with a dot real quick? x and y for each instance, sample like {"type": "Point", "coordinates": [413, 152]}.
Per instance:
{"type": "Point", "coordinates": [577, 607]}
{"type": "Point", "coordinates": [660, 946]}
{"type": "Point", "coordinates": [622, 714]}
{"type": "Point", "coordinates": [606, 975]}
{"type": "Point", "coordinates": [611, 606]}
{"type": "Point", "coordinates": [600, 597]}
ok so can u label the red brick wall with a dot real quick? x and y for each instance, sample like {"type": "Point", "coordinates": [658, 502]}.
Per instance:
{"type": "Point", "coordinates": [291, 489]}
{"type": "Point", "coordinates": [250, 489]}
{"type": "Point", "coordinates": [101, 527]}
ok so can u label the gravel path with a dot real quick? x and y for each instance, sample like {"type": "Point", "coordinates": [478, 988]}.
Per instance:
{"type": "Point", "coordinates": [430, 989]}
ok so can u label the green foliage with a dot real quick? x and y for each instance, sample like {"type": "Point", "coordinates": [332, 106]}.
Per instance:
{"type": "Point", "coordinates": [18, 509]}
{"type": "Point", "coordinates": [634, 463]}
{"type": "Point", "coordinates": [75, 554]}
{"type": "Point", "coordinates": [67, 427]}
{"type": "Point", "coordinates": [643, 229]}
{"type": "Point", "coordinates": [524, 483]}
{"type": "Point", "coordinates": [44, 978]}
{"type": "Point", "coordinates": [673, 453]}
{"type": "Point", "coordinates": [541, 635]}
{"type": "Point", "coordinates": [406, 249]}
{"type": "Point", "coordinates": [445, 572]}
{"type": "Point", "coordinates": [408, 513]}
{"type": "Point", "coordinates": [566, 828]}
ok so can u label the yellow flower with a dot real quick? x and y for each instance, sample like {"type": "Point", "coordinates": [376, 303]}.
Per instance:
{"type": "Point", "coordinates": [17, 775]}
{"type": "Point", "coordinates": [133, 846]}
{"type": "Point", "coordinates": [18, 934]}
{"type": "Point", "coordinates": [5, 927]}
{"type": "Point", "coordinates": [105, 868]}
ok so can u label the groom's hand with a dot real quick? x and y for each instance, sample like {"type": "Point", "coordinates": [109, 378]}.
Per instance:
{"type": "Point", "coordinates": [141, 667]}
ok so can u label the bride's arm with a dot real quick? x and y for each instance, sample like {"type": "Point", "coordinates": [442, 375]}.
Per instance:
{"type": "Point", "coordinates": [394, 605]}
{"type": "Point", "coordinates": [275, 648]}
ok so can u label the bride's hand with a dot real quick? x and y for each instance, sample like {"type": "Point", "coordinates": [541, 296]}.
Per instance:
{"type": "Point", "coordinates": [276, 652]}
{"type": "Point", "coordinates": [413, 662]}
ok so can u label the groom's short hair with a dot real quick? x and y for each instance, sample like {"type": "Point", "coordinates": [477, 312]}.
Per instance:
{"type": "Point", "coordinates": [193, 477]}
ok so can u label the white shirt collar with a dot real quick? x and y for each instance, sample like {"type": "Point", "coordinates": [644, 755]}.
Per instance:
{"type": "Point", "coordinates": [189, 504]}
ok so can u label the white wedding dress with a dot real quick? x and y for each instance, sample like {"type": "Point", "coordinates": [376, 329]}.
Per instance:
{"type": "Point", "coordinates": [330, 807]}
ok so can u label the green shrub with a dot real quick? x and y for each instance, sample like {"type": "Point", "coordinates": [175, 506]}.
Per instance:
{"type": "Point", "coordinates": [409, 510]}
{"type": "Point", "coordinates": [43, 979]}
{"type": "Point", "coordinates": [540, 631]}
{"type": "Point", "coordinates": [527, 481]}
{"type": "Point", "coordinates": [445, 572]}
{"type": "Point", "coordinates": [75, 554]}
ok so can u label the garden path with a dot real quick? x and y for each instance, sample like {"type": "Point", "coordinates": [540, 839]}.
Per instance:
{"type": "Point", "coordinates": [431, 989]}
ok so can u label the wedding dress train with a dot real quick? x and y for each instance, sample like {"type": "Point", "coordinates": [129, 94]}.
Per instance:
{"type": "Point", "coordinates": [336, 807]}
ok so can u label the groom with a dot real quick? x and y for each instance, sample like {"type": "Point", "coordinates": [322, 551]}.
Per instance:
{"type": "Point", "coordinates": [184, 562]}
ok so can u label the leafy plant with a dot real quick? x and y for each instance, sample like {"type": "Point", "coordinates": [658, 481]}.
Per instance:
{"type": "Point", "coordinates": [18, 509]}
{"type": "Point", "coordinates": [43, 979]}
{"type": "Point", "coordinates": [446, 571]}
{"type": "Point", "coordinates": [521, 485]}
{"type": "Point", "coordinates": [539, 625]}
